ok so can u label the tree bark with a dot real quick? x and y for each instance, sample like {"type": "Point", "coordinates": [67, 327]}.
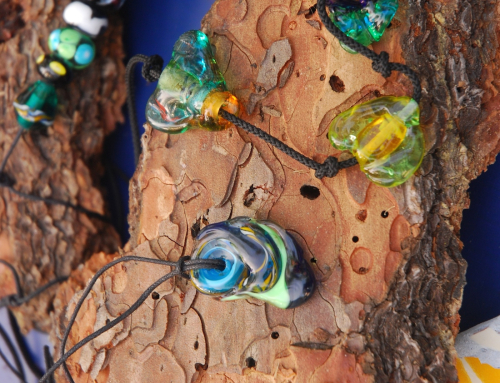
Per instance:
{"type": "Point", "coordinates": [62, 162]}
{"type": "Point", "coordinates": [387, 304]}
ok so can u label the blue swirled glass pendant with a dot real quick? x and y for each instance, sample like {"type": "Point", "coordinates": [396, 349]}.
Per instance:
{"type": "Point", "coordinates": [363, 21]}
{"type": "Point", "coordinates": [262, 261]}
{"type": "Point", "coordinates": [191, 89]}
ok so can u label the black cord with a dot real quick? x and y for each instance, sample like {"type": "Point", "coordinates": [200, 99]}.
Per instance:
{"type": "Point", "coordinates": [50, 201]}
{"type": "Point", "coordinates": [19, 298]}
{"type": "Point", "coordinates": [49, 362]}
{"type": "Point", "coordinates": [381, 63]}
{"type": "Point", "coordinates": [151, 71]}
{"type": "Point", "coordinates": [329, 168]}
{"type": "Point", "coordinates": [18, 370]}
{"type": "Point", "coordinates": [11, 149]}
{"type": "Point", "coordinates": [181, 268]}
{"type": "Point", "coordinates": [21, 345]}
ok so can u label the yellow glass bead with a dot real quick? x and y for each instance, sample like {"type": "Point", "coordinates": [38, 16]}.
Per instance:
{"type": "Point", "coordinates": [471, 369]}
{"type": "Point", "coordinates": [385, 137]}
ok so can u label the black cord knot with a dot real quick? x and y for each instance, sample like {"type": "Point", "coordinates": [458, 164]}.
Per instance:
{"type": "Point", "coordinates": [181, 267]}
{"type": "Point", "coordinates": [151, 70]}
{"type": "Point", "coordinates": [329, 168]}
{"type": "Point", "coordinates": [382, 65]}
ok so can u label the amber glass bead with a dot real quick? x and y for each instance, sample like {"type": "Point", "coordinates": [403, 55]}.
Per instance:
{"type": "Point", "coordinates": [384, 135]}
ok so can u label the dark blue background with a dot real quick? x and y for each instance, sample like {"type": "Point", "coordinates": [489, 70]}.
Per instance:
{"type": "Point", "coordinates": [153, 26]}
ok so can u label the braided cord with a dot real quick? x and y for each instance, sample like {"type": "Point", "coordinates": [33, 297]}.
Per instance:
{"type": "Point", "coordinates": [381, 63]}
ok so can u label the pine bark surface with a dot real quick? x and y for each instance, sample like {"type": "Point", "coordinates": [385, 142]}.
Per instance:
{"type": "Point", "coordinates": [390, 287]}
{"type": "Point", "coordinates": [63, 162]}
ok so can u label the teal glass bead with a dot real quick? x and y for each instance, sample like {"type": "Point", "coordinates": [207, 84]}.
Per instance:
{"type": "Point", "coordinates": [36, 106]}
{"type": "Point", "coordinates": [191, 89]}
{"type": "Point", "coordinates": [74, 47]}
{"type": "Point", "coordinates": [365, 23]}
{"type": "Point", "coordinates": [262, 261]}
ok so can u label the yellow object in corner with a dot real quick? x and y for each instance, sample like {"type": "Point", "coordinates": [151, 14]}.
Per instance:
{"type": "Point", "coordinates": [471, 370]}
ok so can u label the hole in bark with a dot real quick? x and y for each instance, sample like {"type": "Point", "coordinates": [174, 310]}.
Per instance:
{"type": "Point", "coordinates": [249, 197]}
{"type": "Point", "coordinates": [196, 345]}
{"type": "Point", "coordinates": [337, 84]}
{"type": "Point", "coordinates": [377, 93]}
{"type": "Point", "coordinates": [251, 363]}
{"type": "Point", "coordinates": [200, 367]}
{"type": "Point", "coordinates": [362, 270]}
{"type": "Point", "coordinates": [155, 295]}
{"type": "Point", "coordinates": [355, 239]}
{"type": "Point", "coordinates": [310, 12]}
{"type": "Point", "coordinates": [314, 261]}
{"type": "Point", "coordinates": [275, 335]}
{"type": "Point", "coordinates": [323, 77]}
{"type": "Point", "coordinates": [309, 192]}
{"type": "Point", "coordinates": [195, 229]}
{"type": "Point", "coordinates": [274, 59]}
{"type": "Point", "coordinates": [385, 214]}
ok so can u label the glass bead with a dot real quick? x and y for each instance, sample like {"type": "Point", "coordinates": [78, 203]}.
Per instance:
{"type": "Point", "coordinates": [53, 69]}
{"type": "Point", "coordinates": [75, 48]}
{"type": "Point", "coordinates": [36, 106]}
{"type": "Point", "coordinates": [384, 135]}
{"type": "Point", "coordinates": [191, 89]}
{"type": "Point", "coordinates": [114, 4]}
{"type": "Point", "coordinates": [364, 23]}
{"type": "Point", "coordinates": [262, 261]}
{"type": "Point", "coordinates": [83, 17]}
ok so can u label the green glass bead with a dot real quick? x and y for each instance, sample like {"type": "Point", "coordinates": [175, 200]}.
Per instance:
{"type": "Point", "coordinates": [74, 47]}
{"type": "Point", "coordinates": [366, 24]}
{"type": "Point", "coordinates": [384, 135]}
{"type": "Point", "coordinates": [191, 89]}
{"type": "Point", "coordinates": [36, 106]}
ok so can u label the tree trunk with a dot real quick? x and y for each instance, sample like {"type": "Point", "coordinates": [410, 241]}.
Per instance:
{"type": "Point", "coordinates": [62, 162]}
{"type": "Point", "coordinates": [387, 304]}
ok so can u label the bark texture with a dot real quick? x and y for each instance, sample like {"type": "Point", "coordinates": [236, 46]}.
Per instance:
{"type": "Point", "coordinates": [62, 162]}
{"type": "Point", "coordinates": [386, 309]}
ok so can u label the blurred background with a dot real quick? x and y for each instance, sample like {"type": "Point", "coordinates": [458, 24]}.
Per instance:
{"type": "Point", "coordinates": [152, 27]}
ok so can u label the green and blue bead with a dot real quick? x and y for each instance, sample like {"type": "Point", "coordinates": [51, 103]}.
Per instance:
{"type": "Point", "coordinates": [363, 21]}
{"type": "Point", "coordinates": [74, 47]}
{"type": "Point", "coordinates": [262, 261]}
{"type": "Point", "coordinates": [36, 106]}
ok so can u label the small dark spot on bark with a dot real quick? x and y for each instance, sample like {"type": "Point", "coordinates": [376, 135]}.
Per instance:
{"type": "Point", "coordinates": [355, 239]}
{"type": "Point", "coordinates": [249, 197]}
{"type": "Point", "coordinates": [314, 261]}
{"type": "Point", "coordinates": [362, 270]}
{"type": "Point", "coordinates": [196, 345]}
{"type": "Point", "coordinates": [201, 367]}
{"type": "Point", "coordinates": [254, 65]}
{"type": "Point", "coordinates": [274, 59]}
{"type": "Point", "coordinates": [195, 229]}
{"type": "Point", "coordinates": [310, 192]}
{"type": "Point", "coordinates": [385, 214]}
{"type": "Point", "coordinates": [361, 215]}
{"type": "Point", "coordinates": [337, 84]}
{"type": "Point", "coordinates": [250, 362]}
{"type": "Point", "coordinates": [155, 295]}
{"type": "Point", "coordinates": [323, 77]}
{"type": "Point", "coordinates": [275, 335]}
{"type": "Point", "coordinates": [376, 93]}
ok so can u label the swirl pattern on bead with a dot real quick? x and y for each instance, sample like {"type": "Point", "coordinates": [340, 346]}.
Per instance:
{"type": "Point", "coordinates": [262, 261]}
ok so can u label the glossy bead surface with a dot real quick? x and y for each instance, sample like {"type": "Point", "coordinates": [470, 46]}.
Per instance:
{"type": "Point", "coordinates": [53, 69]}
{"type": "Point", "coordinates": [36, 106]}
{"type": "Point", "coordinates": [75, 48]}
{"type": "Point", "coordinates": [191, 89]}
{"type": "Point", "coordinates": [114, 4]}
{"type": "Point", "coordinates": [83, 17]}
{"type": "Point", "coordinates": [262, 261]}
{"type": "Point", "coordinates": [365, 23]}
{"type": "Point", "coordinates": [384, 135]}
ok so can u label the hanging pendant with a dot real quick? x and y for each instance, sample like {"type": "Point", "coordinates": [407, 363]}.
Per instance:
{"type": "Point", "coordinates": [191, 89]}
{"type": "Point", "coordinates": [364, 21]}
{"type": "Point", "coordinates": [36, 106]}
{"type": "Point", "coordinates": [385, 137]}
{"type": "Point", "coordinates": [262, 261]}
